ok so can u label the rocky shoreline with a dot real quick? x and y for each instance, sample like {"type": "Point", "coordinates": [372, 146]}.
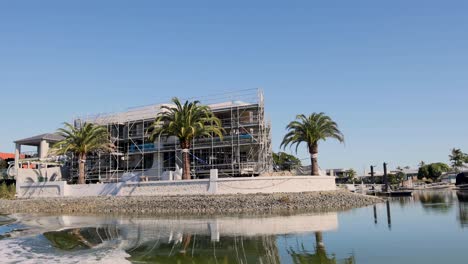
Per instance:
{"type": "Point", "coordinates": [212, 204]}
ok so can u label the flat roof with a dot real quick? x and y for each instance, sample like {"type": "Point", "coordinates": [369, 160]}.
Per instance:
{"type": "Point", "coordinates": [36, 140]}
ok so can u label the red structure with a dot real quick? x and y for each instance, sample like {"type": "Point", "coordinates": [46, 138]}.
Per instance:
{"type": "Point", "coordinates": [5, 156]}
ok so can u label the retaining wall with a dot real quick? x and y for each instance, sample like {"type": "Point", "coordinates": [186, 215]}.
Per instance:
{"type": "Point", "coordinates": [189, 187]}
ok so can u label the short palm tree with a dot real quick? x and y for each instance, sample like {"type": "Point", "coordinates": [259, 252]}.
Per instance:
{"type": "Point", "coordinates": [186, 122]}
{"type": "Point", "coordinates": [310, 130]}
{"type": "Point", "coordinates": [81, 141]}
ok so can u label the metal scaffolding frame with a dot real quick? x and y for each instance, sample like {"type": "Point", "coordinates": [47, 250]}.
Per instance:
{"type": "Point", "coordinates": [245, 150]}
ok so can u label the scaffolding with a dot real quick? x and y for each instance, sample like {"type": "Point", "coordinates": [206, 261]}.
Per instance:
{"type": "Point", "coordinates": [245, 149]}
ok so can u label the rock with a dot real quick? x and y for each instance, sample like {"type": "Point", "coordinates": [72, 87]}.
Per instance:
{"type": "Point", "coordinates": [256, 203]}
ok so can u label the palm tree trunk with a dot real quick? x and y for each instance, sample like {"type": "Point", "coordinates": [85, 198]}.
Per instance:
{"type": "Point", "coordinates": [81, 168]}
{"type": "Point", "coordinates": [319, 239]}
{"type": "Point", "coordinates": [186, 158]}
{"type": "Point", "coordinates": [313, 150]}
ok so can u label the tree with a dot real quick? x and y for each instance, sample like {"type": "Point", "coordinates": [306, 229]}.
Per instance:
{"type": "Point", "coordinates": [351, 174]}
{"type": "Point", "coordinates": [458, 158]}
{"type": "Point", "coordinates": [186, 122]}
{"type": "Point", "coordinates": [310, 130]}
{"type": "Point", "coordinates": [396, 178]}
{"type": "Point", "coordinates": [3, 164]}
{"type": "Point", "coordinates": [82, 141]}
{"type": "Point", "coordinates": [421, 164]}
{"type": "Point", "coordinates": [285, 161]}
{"type": "Point", "coordinates": [432, 171]}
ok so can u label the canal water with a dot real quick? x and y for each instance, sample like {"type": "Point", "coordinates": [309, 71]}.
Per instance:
{"type": "Point", "coordinates": [430, 227]}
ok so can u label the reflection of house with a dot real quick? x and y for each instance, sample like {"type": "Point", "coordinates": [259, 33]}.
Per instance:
{"type": "Point", "coordinates": [189, 239]}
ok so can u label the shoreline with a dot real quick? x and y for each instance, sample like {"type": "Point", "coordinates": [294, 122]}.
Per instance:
{"type": "Point", "coordinates": [324, 201]}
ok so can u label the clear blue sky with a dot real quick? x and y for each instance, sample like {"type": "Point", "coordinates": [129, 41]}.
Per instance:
{"type": "Point", "coordinates": [393, 74]}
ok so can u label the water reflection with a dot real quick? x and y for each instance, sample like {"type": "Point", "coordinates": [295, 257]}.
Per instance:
{"type": "Point", "coordinates": [436, 201]}
{"type": "Point", "coordinates": [185, 240]}
{"type": "Point", "coordinates": [440, 202]}
{"type": "Point", "coordinates": [399, 230]}
{"type": "Point", "coordinates": [81, 238]}
{"type": "Point", "coordinates": [463, 208]}
{"type": "Point", "coordinates": [319, 256]}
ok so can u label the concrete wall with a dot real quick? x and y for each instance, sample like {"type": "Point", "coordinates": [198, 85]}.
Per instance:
{"type": "Point", "coordinates": [191, 187]}
{"type": "Point", "coordinates": [41, 189]}
{"type": "Point", "coordinates": [35, 175]}
{"type": "Point", "coordinates": [276, 184]}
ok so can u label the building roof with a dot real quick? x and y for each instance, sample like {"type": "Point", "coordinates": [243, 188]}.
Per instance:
{"type": "Point", "coordinates": [5, 156]}
{"type": "Point", "coordinates": [36, 140]}
{"type": "Point", "coordinates": [149, 112]}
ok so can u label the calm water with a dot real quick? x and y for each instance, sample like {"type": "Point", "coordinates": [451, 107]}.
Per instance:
{"type": "Point", "coordinates": [430, 227]}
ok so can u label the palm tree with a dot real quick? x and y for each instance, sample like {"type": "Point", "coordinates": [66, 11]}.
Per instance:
{"type": "Point", "coordinates": [186, 122]}
{"type": "Point", "coordinates": [311, 130]}
{"type": "Point", "coordinates": [81, 141]}
{"type": "Point", "coordinates": [457, 158]}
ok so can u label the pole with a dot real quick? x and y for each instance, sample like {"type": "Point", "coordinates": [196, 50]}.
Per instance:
{"type": "Point", "coordinates": [385, 177]}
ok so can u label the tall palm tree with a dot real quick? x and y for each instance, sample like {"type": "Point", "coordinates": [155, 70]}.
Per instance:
{"type": "Point", "coordinates": [81, 141]}
{"type": "Point", "coordinates": [186, 122]}
{"type": "Point", "coordinates": [310, 130]}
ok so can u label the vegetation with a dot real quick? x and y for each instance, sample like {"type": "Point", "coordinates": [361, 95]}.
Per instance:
{"type": "Point", "coordinates": [396, 178]}
{"type": "Point", "coordinates": [186, 122]}
{"type": "Point", "coordinates": [310, 130]}
{"type": "Point", "coordinates": [458, 158]}
{"type": "Point", "coordinates": [432, 171]}
{"type": "Point", "coordinates": [284, 161]}
{"type": "Point", "coordinates": [351, 174]}
{"type": "Point", "coordinates": [82, 141]}
{"type": "Point", "coordinates": [3, 164]}
{"type": "Point", "coordinates": [7, 192]}
{"type": "Point", "coordinates": [3, 168]}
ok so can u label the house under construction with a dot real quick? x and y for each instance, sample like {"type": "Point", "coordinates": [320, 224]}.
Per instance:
{"type": "Point", "coordinates": [245, 150]}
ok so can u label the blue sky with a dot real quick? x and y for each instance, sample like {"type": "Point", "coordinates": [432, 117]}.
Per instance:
{"type": "Point", "coordinates": [393, 74]}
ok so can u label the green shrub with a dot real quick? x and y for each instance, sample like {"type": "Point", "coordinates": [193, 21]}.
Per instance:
{"type": "Point", "coordinates": [7, 192]}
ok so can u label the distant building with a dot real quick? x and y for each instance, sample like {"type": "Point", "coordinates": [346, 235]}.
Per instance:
{"type": "Point", "coordinates": [337, 172]}
{"type": "Point", "coordinates": [409, 173]}
{"type": "Point", "coordinates": [6, 156]}
{"type": "Point", "coordinates": [449, 178]}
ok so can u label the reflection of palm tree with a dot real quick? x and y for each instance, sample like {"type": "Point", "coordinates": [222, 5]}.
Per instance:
{"type": "Point", "coordinates": [201, 249]}
{"type": "Point", "coordinates": [320, 256]}
{"type": "Point", "coordinates": [81, 238]}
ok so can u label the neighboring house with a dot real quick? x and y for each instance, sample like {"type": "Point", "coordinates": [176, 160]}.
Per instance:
{"type": "Point", "coordinates": [449, 178]}
{"type": "Point", "coordinates": [337, 172]}
{"type": "Point", "coordinates": [410, 174]}
{"type": "Point", "coordinates": [7, 156]}
{"type": "Point", "coordinates": [32, 166]}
